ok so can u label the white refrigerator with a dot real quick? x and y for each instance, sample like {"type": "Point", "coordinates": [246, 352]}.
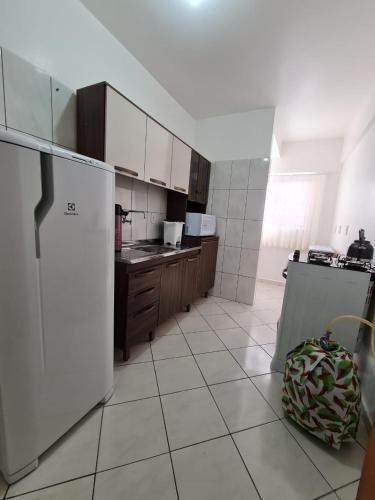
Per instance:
{"type": "Point", "coordinates": [56, 295]}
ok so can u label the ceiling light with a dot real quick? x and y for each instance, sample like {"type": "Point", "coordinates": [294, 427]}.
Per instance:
{"type": "Point", "coordinates": [195, 3]}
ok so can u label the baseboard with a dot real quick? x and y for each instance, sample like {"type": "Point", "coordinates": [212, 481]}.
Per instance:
{"type": "Point", "coordinates": [271, 282]}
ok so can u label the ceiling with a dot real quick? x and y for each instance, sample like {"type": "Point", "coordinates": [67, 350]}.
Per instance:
{"type": "Point", "coordinates": [314, 60]}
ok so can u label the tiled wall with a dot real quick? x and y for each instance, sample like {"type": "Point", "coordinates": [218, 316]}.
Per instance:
{"type": "Point", "coordinates": [137, 195]}
{"type": "Point", "coordinates": [237, 196]}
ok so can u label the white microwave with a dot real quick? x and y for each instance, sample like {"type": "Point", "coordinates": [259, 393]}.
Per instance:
{"type": "Point", "coordinates": [200, 224]}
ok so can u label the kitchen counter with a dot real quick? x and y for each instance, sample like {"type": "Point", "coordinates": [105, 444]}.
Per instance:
{"type": "Point", "coordinates": [150, 252]}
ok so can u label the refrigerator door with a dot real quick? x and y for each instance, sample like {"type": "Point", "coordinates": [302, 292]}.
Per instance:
{"type": "Point", "coordinates": [76, 238]}
{"type": "Point", "coordinates": [21, 362]}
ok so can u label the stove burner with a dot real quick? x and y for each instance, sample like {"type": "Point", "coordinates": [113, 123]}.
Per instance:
{"type": "Point", "coordinates": [320, 258]}
{"type": "Point", "coordinates": [354, 264]}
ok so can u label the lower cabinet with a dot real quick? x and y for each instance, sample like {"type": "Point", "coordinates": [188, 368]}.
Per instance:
{"type": "Point", "coordinates": [150, 295]}
{"type": "Point", "coordinates": [170, 289]}
{"type": "Point", "coordinates": [190, 283]}
{"type": "Point", "coordinates": [208, 258]}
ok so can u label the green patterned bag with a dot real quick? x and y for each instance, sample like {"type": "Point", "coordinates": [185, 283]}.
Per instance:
{"type": "Point", "coordinates": [321, 391]}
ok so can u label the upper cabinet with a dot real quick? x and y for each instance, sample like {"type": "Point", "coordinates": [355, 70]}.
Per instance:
{"type": "Point", "coordinates": [125, 135]}
{"type": "Point", "coordinates": [2, 109]}
{"type": "Point", "coordinates": [64, 115]}
{"type": "Point", "coordinates": [199, 179]}
{"type": "Point", "coordinates": [27, 97]}
{"type": "Point", "coordinates": [181, 159]}
{"type": "Point", "coordinates": [158, 154]}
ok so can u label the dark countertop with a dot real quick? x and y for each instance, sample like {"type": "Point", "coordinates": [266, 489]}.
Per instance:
{"type": "Point", "coordinates": [158, 253]}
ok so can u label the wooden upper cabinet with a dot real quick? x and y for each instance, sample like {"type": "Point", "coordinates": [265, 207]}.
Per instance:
{"type": "Point", "coordinates": [181, 159]}
{"type": "Point", "coordinates": [199, 178]}
{"type": "Point", "coordinates": [125, 135]}
{"type": "Point", "coordinates": [158, 154]}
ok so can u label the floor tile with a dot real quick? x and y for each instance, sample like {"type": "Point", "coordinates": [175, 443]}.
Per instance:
{"type": "Point", "coordinates": [212, 471]}
{"type": "Point", "coordinates": [270, 349]}
{"type": "Point", "coordinates": [80, 489]}
{"type": "Point", "coordinates": [209, 308]}
{"type": "Point", "coordinates": [253, 360]}
{"type": "Point", "coordinates": [221, 300]}
{"type": "Point", "coordinates": [74, 455]}
{"type": "Point", "coordinates": [193, 324]}
{"type": "Point", "coordinates": [233, 307]}
{"type": "Point", "coordinates": [241, 405]}
{"type": "Point", "coordinates": [278, 466]}
{"type": "Point", "coordinates": [246, 319]}
{"type": "Point", "coordinates": [3, 486]}
{"type": "Point", "coordinates": [169, 327]}
{"type": "Point", "coordinates": [145, 480]}
{"type": "Point", "coordinates": [130, 432]}
{"type": "Point", "coordinates": [204, 300]}
{"type": "Point", "coordinates": [330, 496]}
{"type": "Point", "coordinates": [220, 321]}
{"type": "Point", "coordinates": [219, 367]}
{"type": "Point", "coordinates": [191, 417]}
{"type": "Point", "coordinates": [139, 353]}
{"type": "Point", "coordinates": [235, 337]}
{"type": "Point", "coordinates": [133, 382]}
{"type": "Point", "coordinates": [204, 342]}
{"type": "Point", "coordinates": [191, 314]}
{"type": "Point", "coordinates": [348, 492]}
{"type": "Point", "coordinates": [339, 467]}
{"type": "Point", "coordinates": [169, 346]}
{"type": "Point", "coordinates": [178, 374]}
{"type": "Point", "coordinates": [262, 334]}
{"type": "Point", "coordinates": [270, 386]}
{"type": "Point", "coordinates": [268, 315]}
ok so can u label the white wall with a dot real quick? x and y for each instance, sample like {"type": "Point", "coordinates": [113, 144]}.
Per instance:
{"type": "Point", "coordinates": [356, 209]}
{"type": "Point", "coordinates": [321, 156]}
{"type": "Point", "coordinates": [67, 41]}
{"type": "Point", "coordinates": [236, 136]}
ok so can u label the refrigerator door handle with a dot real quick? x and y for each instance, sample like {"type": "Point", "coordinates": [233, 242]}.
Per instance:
{"type": "Point", "coordinates": [46, 200]}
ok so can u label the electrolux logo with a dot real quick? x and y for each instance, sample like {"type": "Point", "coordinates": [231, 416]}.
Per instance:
{"type": "Point", "coordinates": [71, 208]}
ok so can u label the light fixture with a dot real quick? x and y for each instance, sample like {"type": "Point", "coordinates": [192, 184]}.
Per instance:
{"type": "Point", "coordinates": [195, 3]}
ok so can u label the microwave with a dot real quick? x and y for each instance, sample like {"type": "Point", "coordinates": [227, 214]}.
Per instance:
{"type": "Point", "coordinates": [200, 224]}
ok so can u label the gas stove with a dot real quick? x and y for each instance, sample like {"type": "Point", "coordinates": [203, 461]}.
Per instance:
{"type": "Point", "coordinates": [354, 264]}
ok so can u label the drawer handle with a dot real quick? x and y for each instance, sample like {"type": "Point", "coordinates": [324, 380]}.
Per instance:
{"type": "Point", "coordinates": [156, 181]}
{"type": "Point", "coordinates": [193, 259]}
{"type": "Point", "coordinates": [144, 273]}
{"type": "Point", "coordinates": [183, 190]}
{"type": "Point", "coordinates": [174, 264]}
{"type": "Point", "coordinates": [146, 292]}
{"type": "Point", "coordinates": [126, 170]}
{"type": "Point", "coordinates": [145, 310]}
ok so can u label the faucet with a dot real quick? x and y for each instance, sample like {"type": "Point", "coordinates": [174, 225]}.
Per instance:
{"type": "Point", "coordinates": [126, 212]}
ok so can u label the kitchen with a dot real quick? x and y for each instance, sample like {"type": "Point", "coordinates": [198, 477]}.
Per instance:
{"type": "Point", "coordinates": [194, 329]}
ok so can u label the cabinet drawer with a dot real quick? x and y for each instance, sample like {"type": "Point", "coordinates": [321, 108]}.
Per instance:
{"type": "Point", "coordinates": [143, 321]}
{"type": "Point", "coordinates": [143, 298]}
{"type": "Point", "coordinates": [141, 280]}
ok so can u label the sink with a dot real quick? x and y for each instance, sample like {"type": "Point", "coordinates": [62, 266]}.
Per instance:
{"type": "Point", "coordinates": [154, 249]}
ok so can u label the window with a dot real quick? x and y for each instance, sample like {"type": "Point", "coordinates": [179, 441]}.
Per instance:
{"type": "Point", "coordinates": [292, 210]}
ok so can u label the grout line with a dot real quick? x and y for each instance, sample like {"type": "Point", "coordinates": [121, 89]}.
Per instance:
{"type": "Point", "coordinates": [217, 406]}
{"type": "Point", "coordinates": [97, 453]}
{"type": "Point", "coordinates": [165, 425]}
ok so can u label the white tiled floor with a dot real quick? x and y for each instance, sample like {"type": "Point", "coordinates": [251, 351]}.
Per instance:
{"type": "Point", "coordinates": [197, 415]}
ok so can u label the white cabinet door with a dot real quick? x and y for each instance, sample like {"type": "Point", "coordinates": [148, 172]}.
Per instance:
{"type": "Point", "coordinates": [125, 136]}
{"type": "Point", "coordinates": [2, 110]}
{"type": "Point", "coordinates": [27, 97]}
{"type": "Point", "coordinates": [158, 154]}
{"type": "Point", "coordinates": [181, 158]}
{"type": "Point", "coordinates": [64, 111]}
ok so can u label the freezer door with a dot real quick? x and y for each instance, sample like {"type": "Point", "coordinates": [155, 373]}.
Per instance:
{"type": "Point", "coordinates": [76, 238]}
{"type": "Point", "coordinates": [21, 363]}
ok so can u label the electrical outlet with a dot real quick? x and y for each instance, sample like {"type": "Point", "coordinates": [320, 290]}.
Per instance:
{"type": "Point", "coordinates": [346, 230]}
{"type": "Point", "coordinates": [154, 218]}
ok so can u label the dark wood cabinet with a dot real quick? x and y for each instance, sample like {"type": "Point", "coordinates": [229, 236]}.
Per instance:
{"type": "Point", "coordinates": [170, 289]}
{"type": "Point", "coordinates": [208, 258]}
{"type": "Point", "coordinates": [190, 283]}
{"type": "Point", "coordinates": [148, 293]}
{"type": "Point", "coordinates": [199, 179]}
